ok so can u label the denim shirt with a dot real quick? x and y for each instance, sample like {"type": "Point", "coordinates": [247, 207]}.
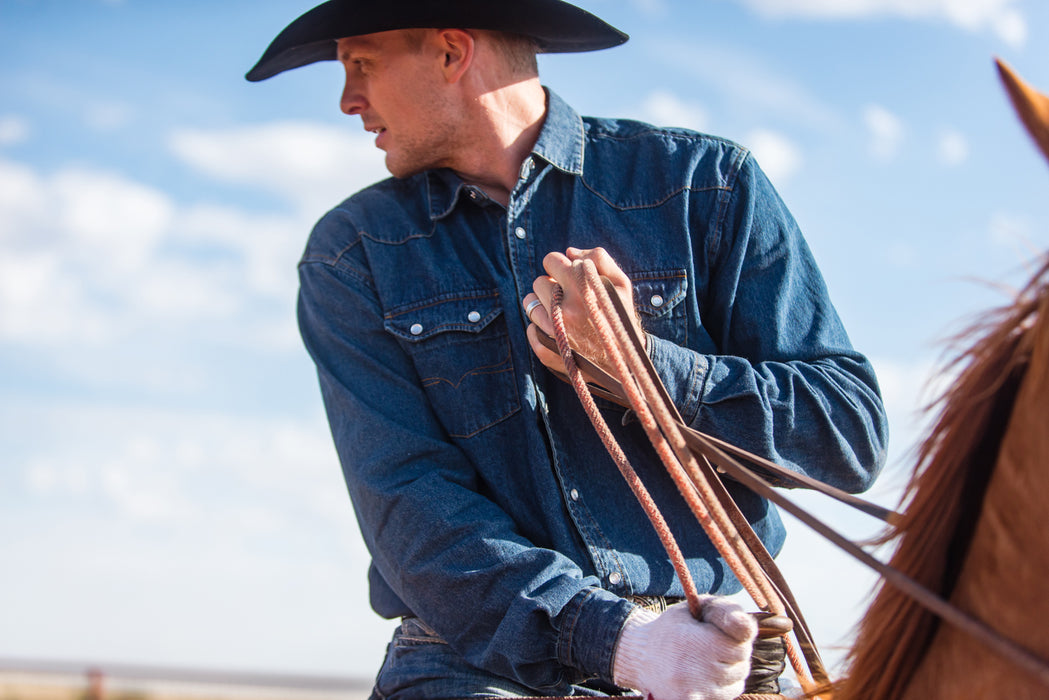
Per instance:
{"type": "Point", "coordinates": [489, 506]}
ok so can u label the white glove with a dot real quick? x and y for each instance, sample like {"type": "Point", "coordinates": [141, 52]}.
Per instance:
{"type": "Point", "coordinates": [672, 656]}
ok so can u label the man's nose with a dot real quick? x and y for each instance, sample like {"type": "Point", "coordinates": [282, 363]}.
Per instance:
{"type": "Point", "coordinates": [352, 100]}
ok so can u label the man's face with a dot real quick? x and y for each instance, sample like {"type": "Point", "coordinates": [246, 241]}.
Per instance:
{"type": "Point", "coordinates": [394, 82]}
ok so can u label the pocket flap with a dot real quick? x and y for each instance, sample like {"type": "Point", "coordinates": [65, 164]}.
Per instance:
{"type": "Point", "coordinates": [467, 312]}
{"type": "Point", "coordinates": [656, 294]}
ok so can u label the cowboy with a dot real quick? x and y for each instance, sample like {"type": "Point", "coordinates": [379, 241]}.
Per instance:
{"type": "Point", "coordinates": [518, 561]}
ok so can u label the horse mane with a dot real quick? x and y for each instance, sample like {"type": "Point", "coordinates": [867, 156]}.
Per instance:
{"type": "Point", "coordinates": [945, 494]}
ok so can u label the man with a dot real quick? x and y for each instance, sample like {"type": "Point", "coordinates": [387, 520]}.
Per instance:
{"type": "Point", "coordinates": [500, 532]}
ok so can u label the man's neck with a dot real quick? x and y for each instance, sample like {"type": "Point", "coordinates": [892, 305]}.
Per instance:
{"type": "Point", "coordinates": [510, 119]}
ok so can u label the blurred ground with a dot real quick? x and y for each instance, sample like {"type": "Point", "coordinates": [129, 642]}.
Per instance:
{"type": "Point", "coordinates": [56, 681]}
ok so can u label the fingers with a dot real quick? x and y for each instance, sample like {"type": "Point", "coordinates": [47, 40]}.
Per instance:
{"type": "Point", "coordinates": [604, 263]}
{"type": "Point", "coordinates": [560, 266]}
{"type": "Point", "coordinates": [535, 307]}
{"type": "Point", "coordinates": [532, 304]}
{"type": "Point", "coordinates": [543, 289]}
{"type": "Point", "coordinates": [562, 270]}
{"type": "Point", "coordinates": [548, 357]}
{"type": "Point", "coordinates": [539, 317]}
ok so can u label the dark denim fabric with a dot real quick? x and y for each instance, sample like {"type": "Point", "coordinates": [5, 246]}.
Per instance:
{"type": "Point", "coordinates": [489, 506]}
{"type": "Point", "coordinates": [419, 665]}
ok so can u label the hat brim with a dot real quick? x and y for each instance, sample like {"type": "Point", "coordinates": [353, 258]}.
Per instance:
{"type": "Point", "coordinates": [556, 27]}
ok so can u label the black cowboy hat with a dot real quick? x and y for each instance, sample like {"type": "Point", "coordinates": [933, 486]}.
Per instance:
{"type": "Point", "coordinates": [556, 27]}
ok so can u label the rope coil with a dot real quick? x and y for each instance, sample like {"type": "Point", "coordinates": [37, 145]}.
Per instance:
{"type": "Point", "coordinates": [661, 423]}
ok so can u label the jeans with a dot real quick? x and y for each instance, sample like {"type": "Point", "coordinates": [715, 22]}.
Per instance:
{"type": "Point", "coordinates": [420, 665]}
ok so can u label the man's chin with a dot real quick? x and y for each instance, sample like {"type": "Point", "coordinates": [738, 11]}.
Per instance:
{"type": "Point", "coordinates": [401, 170]}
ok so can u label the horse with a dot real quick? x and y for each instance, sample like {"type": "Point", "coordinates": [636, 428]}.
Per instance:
{"type": "Point", "coordinates": [974, 530]}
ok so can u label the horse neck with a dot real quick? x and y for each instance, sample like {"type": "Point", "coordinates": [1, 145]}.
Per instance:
{"type": "Point", "coordinates": [974, 529]}
{"type": "Point", "coordinates": [1003, 579]}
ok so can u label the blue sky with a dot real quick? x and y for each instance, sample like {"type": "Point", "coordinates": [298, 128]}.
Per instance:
{"type": "Point", "coordinates": [168, 490]}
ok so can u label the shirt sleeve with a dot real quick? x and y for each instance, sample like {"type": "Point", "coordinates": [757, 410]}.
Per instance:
{"type": "Point", "coordinates": [786, 382]}
{"type": "Point", "coordinates": [451, 555]}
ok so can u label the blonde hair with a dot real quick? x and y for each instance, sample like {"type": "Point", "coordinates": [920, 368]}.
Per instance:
{"type": "Point", "coordinates": [517, 51]}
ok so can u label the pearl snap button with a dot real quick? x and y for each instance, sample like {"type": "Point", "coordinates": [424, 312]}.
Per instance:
{"type": "Point", "coordinates": [520, 233]}
{"type": "Point", "coordinates": [526, 167]}
{"type": "Point", "coordinates": [657, 300]}
{"type": "Point", "coordinates": [473, 317]}
{"type": "Point", "coordinates": [615, 578]}
{"type": "Point", "coordinates": [416, 329]}
{"type": "Point", "coordinates": [574, 495]}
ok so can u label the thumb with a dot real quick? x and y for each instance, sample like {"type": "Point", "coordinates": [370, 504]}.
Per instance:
{"type": "Point", "coordinates": [727, 615]}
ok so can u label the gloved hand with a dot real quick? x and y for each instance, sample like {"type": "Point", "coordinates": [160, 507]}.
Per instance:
{"type": "Point", "coordinates": [672, 656]}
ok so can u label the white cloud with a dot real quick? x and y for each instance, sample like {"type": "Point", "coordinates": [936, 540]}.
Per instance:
{"type": "Point", "coordinates": [88, 256]}
{"type": "Point", "coordinates": [13, 130]}
{"type": "Point", "coordinates": [108, 219]}
{"type": "Point", "coordinates": [1001, 17]}
{"type": "Point", "coordinates": [23, 197]}
{"type": "Point", "coordinates": [108, 116]}
{"type": "Point", "coordinates": [952, 147]}
{"type": "Point", "coordinates": [314, 166]}
{"type": "Point", "coordinates": [42, 305]}
{"type": "Point", "coordinates": [66, 242]}
{"type": "Point", "coordinates": [1011, 27]}
{"type": "Point", "coordinates": [886, 131]}
{"type": "Point", "coordinates": [181, 290]}
{"type": "Point", "coordinates": [214, 516]}
{"type": "Point", "coordinates": [161, 465]}
{"type": "Point", "coordinates": [664, 108]}
{"type": "Point", "coordinates": [752, 86]}
{"type": "Point", "coordinates": [778, 156]}
{"type": "Point", "coordinates": [267, 246]}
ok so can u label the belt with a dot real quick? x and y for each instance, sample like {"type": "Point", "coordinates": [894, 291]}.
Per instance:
{"type": "Point", "coordinates": [654, 603]}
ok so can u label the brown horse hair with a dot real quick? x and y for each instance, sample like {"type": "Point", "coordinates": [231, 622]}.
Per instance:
{"type": "Point", "coordinates": [945, 495]}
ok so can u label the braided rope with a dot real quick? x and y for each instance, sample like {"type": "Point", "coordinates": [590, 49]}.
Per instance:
{"type": "Point", "coordinates": [667, 440]}
{"type": "Point", "coordinates": [671, 447]}
{"type": "Point", "coordinates": [677, 559]}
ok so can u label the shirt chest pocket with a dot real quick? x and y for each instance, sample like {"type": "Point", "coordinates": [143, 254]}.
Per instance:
{"type": "Point", "coordinates": [461, 349]}
{"type": "Point", "coordinates": [659, 297]}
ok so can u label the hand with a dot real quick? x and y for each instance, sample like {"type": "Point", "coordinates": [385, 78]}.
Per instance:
{"type": "Point", "coordinates": [673, 656]}
{"type": "Point", "coordinates": [561, 269]}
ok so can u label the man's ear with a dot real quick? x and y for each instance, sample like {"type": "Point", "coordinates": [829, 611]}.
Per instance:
{"type": "Point", "coordinates": [457, 46]}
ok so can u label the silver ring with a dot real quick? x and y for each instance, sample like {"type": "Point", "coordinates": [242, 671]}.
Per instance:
{"type": "Point", "coordinates": [531, 307]}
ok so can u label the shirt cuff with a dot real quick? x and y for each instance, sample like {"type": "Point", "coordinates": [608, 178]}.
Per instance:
{"type": "Point", "coordinates": [594, 619]}
{"type": "Point", "coordinates": [684, 372]}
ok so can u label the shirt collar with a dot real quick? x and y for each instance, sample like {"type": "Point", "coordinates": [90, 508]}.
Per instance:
{"type": "Point", "coordinates": [560, 143]}
{"type": "Point", "coordinates": [561, 140]}
{"type": "Point", "coordinates": [443, 189]}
